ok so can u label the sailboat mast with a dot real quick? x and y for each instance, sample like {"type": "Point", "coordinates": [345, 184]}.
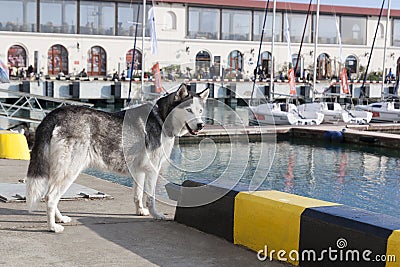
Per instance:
{"type": "Point", "coordinates": [130, 75]}
{"type": "Point", "coordinates": [259, 51]}
{"type": "Point", "coordinates": [302, 40]}
{"type": "Point", "coordinates": [370, 53]}
{"type": "Point", "coordinates": [315, 52]}
{"type": "Point", "coordinates": [272, 53]}
{"type": "Point", "coordinates": [384, 52]}
{"type": "Point", "coordinates": [143, 36]}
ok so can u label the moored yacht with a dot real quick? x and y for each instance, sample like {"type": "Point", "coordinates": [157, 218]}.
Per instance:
{"type": "Point", "coordinates": [283, 114]}
{"type": "Point", "coordinates": [334, 113]}
{"type": "Point", "coordinates": [383, 111]}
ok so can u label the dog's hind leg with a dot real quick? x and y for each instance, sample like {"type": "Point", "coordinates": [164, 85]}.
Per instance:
{"type": "Point", "coordinates": [59, 185]}
{"type": "Point", "coordinates": [138, 188]}
{"type": "Point", "coordinates": [52, 198]}
{"type": "Point", "coordinates": [151, 181]}
{"type": "Point", "coordinates": [64, 170]}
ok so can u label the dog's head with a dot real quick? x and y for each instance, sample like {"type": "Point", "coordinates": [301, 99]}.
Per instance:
{"type": "Point", "coordinates": [185, 111]}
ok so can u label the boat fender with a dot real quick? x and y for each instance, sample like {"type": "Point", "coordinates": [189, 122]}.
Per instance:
{"type": "Point", "coordinates": [337, 136]}
{"type": "Point", "coordinates": [333, 136]}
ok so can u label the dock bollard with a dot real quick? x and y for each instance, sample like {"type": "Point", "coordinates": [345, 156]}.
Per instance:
{"type": "Point", "coordinates": [13, 146]}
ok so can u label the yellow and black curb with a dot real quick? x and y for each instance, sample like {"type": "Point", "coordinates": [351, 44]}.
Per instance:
{"type": "Point", "coordinates": [296, 229]}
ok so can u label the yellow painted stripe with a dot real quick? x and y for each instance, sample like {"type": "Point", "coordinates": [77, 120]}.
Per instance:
{"type": "Point", "coordinates": [13, 146]}
{"type": "Point", "coordinates": [393, 248]}
{"type": "Point", "coordinates": [272, 219]}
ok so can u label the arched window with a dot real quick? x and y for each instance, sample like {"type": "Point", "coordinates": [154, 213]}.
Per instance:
{"type": "Point", "coordinates": [97, 61]}
{"type": "Point", "coordinates": [16, 56]}
{"type": "Point", "coordinates": [265, 63]}
{"type": "Point", "coordinates": [137, 62]}
{"type": "Point", "coordinates": [203, 62]}
{"type": "Point", "coordinates": [57, 60]}
{"type": "Point", "coordinates": [351, 64]}
{"type": "Point", "coordinates": [170, 21]}
{"type": "Point", "coordinates": [235, 63]}
{"type": "Point", "coordinates": [324, 70]}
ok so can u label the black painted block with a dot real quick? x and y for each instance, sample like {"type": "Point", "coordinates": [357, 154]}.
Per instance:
{"type": "Point", "coordinates": [214, 215]}
{"type": "Point", "coordinates": [74, 89]}
{"type": "Point", "coordinates": [116, 90]}
{"type": "Point", "coordinates": [346, 230]}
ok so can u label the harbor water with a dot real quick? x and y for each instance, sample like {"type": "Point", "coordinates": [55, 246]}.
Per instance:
{"type": "Point", "coordinates": [362, 177]}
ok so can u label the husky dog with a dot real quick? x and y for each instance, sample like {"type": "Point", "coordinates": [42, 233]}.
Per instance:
{"type": "Point", "coordinates": [137, 140]}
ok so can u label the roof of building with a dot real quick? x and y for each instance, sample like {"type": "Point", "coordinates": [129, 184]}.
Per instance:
{"type": "Point", "coordinates": [353, 10]}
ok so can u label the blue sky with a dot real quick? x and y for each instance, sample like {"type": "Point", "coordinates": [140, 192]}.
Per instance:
{"type": "Point", "coordinates": [395, 4]}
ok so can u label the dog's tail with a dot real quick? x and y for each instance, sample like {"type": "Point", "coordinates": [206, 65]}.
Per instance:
{"type": "Point", "coordinates": [38, 174]}
{"type": "Point", "coordinates": [35, 188]}
{"type": "Point", "coordinates": [38, 170]}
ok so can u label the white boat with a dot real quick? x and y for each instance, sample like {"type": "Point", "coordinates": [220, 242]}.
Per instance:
{"type": "Point", "coordinates": [283, 114]}
{"type": "Point", "coordinates": [383, 111]}
{"type": "Point", "coordinates": [334, 113]}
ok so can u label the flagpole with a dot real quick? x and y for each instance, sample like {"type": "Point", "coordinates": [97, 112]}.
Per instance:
{"type": "Point", "coordinates": [315, 52]}
{"type": "Point", "coordinates": [384, 53]}
{"type": "Point", "coordinates": [143, 36]}
{"type": "Point", "coordinates": [272, 53]}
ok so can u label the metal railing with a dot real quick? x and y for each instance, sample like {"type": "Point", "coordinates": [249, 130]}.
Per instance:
{"type": "Point", "coordinates": [31, 102]}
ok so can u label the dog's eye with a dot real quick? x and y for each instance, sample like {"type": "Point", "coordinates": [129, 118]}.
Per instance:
{"type": "Point", "coordinates": [189, 110]}
{"type": "Point", "coordinates": [201, 111]}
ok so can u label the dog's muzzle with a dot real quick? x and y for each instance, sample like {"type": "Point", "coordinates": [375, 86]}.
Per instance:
{"type": "Point", "coordinates": [196, 131]}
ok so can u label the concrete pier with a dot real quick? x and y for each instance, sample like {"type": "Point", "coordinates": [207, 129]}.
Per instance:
{"type": "Point", "coordinates": [377, 134]}
{"type": "Point", "coordinates": [107, 233]}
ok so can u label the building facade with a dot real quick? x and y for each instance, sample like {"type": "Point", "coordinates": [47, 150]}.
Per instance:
{"type": "Point", "coordinates": [196, 38]}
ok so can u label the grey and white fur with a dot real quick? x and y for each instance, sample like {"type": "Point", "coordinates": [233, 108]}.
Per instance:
{"type": "Point", "coordinates": [136, 141]}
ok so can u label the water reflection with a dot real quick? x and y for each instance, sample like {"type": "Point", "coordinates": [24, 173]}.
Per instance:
{"type": "Point", "coordinates": [339, 174]}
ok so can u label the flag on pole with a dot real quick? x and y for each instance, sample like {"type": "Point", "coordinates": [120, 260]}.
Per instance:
{"type": "Point", "coordinates": [339, 41]}
{"type": "Point", "coordinates": [153, 36]}
{"type": "Point", "coordinates": [344, 81]}
{"type": "Point", "coordinates": [292, 82]}
{"type": "Point", "coordinates": [287, 36]}
{"type": "Point", "coordinates": [4, 78]}
{"type": "Point", "coordinates": [157, 77]}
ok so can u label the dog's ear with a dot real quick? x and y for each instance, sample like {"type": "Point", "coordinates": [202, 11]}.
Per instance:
{"type": "Point", "coordinates": [204, 95]}
{"type": "Point", "coordinates": [182, 93]}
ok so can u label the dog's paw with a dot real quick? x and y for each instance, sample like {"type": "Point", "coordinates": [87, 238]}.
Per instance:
{"type": "Point", "coordinates": [64, 219]}
{"type": "Point", "coordinates": [159, 216]}
{"type": "Point", "coordinates": [56, 228]}
{"type": "Point", "coordinates": [142, 212]}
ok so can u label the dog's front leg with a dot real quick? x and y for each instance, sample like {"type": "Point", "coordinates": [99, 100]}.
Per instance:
{"type": "Point", "coordinates": [151, 180]}
{"type": "Point", "coordinates": [138, 188]}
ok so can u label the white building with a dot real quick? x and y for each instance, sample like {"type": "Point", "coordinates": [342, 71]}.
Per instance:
{"type": "Point", "coordinates": [197, 36]}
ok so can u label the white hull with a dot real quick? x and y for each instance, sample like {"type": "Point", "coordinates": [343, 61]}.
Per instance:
{"type": "Point", "coordinates": [334, 113]}
{"type": "Point", "coordinates": [272, 114]}
{"type": "Point", "coordinates": [383, 111]}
